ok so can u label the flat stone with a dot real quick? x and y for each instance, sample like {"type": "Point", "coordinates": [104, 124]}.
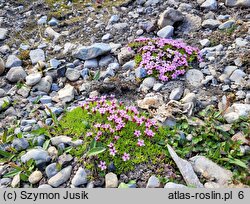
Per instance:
{"type": "Point", "coordinates": [210, 5]}
{"type": "Point", "coordinates": [2, 66]}
{"type": "Point", "coordinates": [20, 144]}
{"type": "Point", "coordinates": [226, 25]}
{"type": "Point", "coordinates": [149, 82]}
{"type": "Point", "coordinates": [39, 155]}
{"type": "Point", "coordinates": [169, 17]}
{"type": "Point", "coordinates": [176, 94]}
{"type": "Point", "coordinates": [140, 73]}
{"type": "Point", "coordinates": [211, 23]}
{"type": "Point", "coordinates": [44, 84]}
{"type": "Point", "coordinates": [61, 177]}
{"type": "Point", "coordinates": [44, 186]}
{"type": "Point", "coordinates": [51, 170]}
{"type": "Point", "coordinates": [15, 181]}
{"type": "Point", "coordinates": [93, 51]}
{"type": "Point", "coordinates": [91, 63]}
{"type": "Point", "coordinates": [72, 74]}
{"type": "Point", "coordinates": [237, 76]}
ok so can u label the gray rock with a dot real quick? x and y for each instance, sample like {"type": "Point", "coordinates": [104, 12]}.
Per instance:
{"type": "Point", "coordinates": [13, 61]}
{"type": "Point", "coordinates": [45, 99]}
{"type": "Point", "coordinates": [66, 140]}
{"type": "Point", "coordinates": [238, 3]}
{"type": "Point", "coordinates": [149, 82]}
{"type": "Point", "coordinates": [5, 181]}
{"type": "Point", "coordinates": [93, 51]}
{"type": "Point", "coordinates": [44, 84]}
{"type": "Point", "coordinates": [158, 86]}
{"type": "Point", "coordinates": [190, 97]}
{"type": "Point", "coordinates": [114, 19]}
{"type": "Point", "coordinates": [44, 186]}
{"type": "Point", "coordinates": [53, 22]}
{"type": "Point", "coordinates": [61, 177]}
{"type": "Point", "coordinates": [106, 37]}
{"type": "Point", "coordinates": [37, 55]}
{"type": "Point", "coordinates": [186, 169]}
{"type": "Point", "coordinates": [20, 144]}
{"type": "Point", "coordinates": [33, 79]}
{"type": "Point", "coordinates": [238, 76]}
{"type": "Point", "coordinates": [205, 42]}
{"type": "Point", "coordinates": [2, 66]}
{"type": "Point", "coordinates": [54, 63]}
{"type": "Point", "coordinates": [105, 61]}
{"type": "Point", "coordinates": [111, 180]}
{"type": "Point", "coordinates": [152, 2]}
{"type": "Point", "coordinates": [120, 26]}
{"type": "Point", "coordinates": [4, 103]}
{"type": "Point", "coordinates": [174, 185]}
{"type": "Point", "coordinates": [91, 63]}
{"type": "Point", "coordinates": [194, 77]}
{"type": "Point", "coordinates": [2, 93]}
{"type": "Point", "coordinates": [210, 170]}
{"type": "Point", "coordinates": [191, 23]}
{"type": "Point", "coordinates": [176, 94]}
{"type": "Point", "coordinates": [35, 177]}
{"type": "Point", "coordinates": [227, 24]}
{"type": "Point", "coordinates": [211, 23]}
{"type": "Point", "coordinates": [3, 33]}
{"type": "Point", "coordinates": [51, 170]}
{"type": "Point", "coordinates": [66, 94]}
{"type": "Point", "coordinates": [4, 49]}
{"type": "Point", "coordinates": [241, 42]}
{"type": "Point", "coordinates": [42, 20]}
{"type": "Point", "coordinates": [153, 182]}
{"type": "Point", "coordinates": [80, 178]}
{"type": "Point", "coordinates": [125, 55]}
{"type": "Point", "coordinates": [16, 74]}
{"type": "Point", "coordinates": [227, 72]}
{"type": "Point", "coordinates": [166, 32]}
{"type": "Point", "coordinates": [72, 74]}
{"type": "Point", "coordinates": [39, 155]}
{"type": "Point", "coordinates": [64, 159]}
{"type": "Point", "coordinates": [210, 5]}
{"type": "Point", "coordinates": [169, 17]}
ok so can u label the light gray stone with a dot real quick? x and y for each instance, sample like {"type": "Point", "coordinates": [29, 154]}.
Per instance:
{"type": "Point", "coordinates": [227, 24]}
{"type": "Point", "coordinates": [3, 33]}
{"type": "Point", "coordinates": [16, 74]}
{"type": "Point", "coordinates": [39, 155]}
{"type": "Point", "coordinates": [194, 77]}
{"type": "Point", "coordinates": [37, 55]}
{"type": "Point", "coordinates": [35, 177]}
{"type": "Point", "coordinates": [153, 182]}
{"type": "Point", "coordinates": [51, 170]}
{"type": "Point", "coordinates": [169, 17]}
{"type": "Point", "coordinates": [13, 61]}
{"type": "Point", "coordinates": [80, 178]}
{"type": "Point", "coordinates": [66, 94]}
{"type": "Point", "coordinates": [176, 94]}
{"type": "Point", "coordinates": [111, 180]}
{"type": "Point", "coordinates": [174, 185]}
{"type": "Point", "coordinates": [210, 5]}
{"type": "Point", "coordinates": [33, 79]}
{"type": "Point", "coordinates": [72, 74]}
{"type": "Point", "coordinates": [61, 177]}
{"type": "Point", "coordinates": [166, 32]}
{"type": "Point", "coordinates": [44, 84]}
{"type": "Point", "coordinates": [211, 23]}
{"type": "Point", "coordinates": [2, 66]}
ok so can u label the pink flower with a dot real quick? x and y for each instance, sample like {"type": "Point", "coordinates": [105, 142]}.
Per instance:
{"type": "Point", "coordinates": [89, 134]}
{"type": "Point", "coordinates": [125, 156]}
{"type": "Point", "coordinates": [116, 137]}
{"type": "Point", "coordinates": [112, 151]}
{"type": "Point", "coordinates": [137, 133]}
{"type": "Point", "coordinates": [111, 145]}
{"type": "Point", "coordinates": [140, 143]}
{"type": "Point", "coordinates": [102, 165]}
{"type": "Point", "coordinates": [149, 132]}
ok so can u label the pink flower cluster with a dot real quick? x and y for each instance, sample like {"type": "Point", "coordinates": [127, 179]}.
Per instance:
{"type": "Point", "coordinates": [116, 117]}
{"type": "Point", "coordinates": [166, 58]}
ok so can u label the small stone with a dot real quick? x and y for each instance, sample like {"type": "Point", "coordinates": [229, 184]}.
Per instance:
{"type": "Point", "coordinates": [15, 181]}
{"type": "Point", "coordinates": [35, 177]}
{"type": "Point", "coordinates": [139, 32]}
{"type": "Point", "coordinates": [237, 76]}
{"type": "Point", "coordinates": [64, 159]}
{"type": "Point", "coordinates": [93, 51]}
{"type": "Point", "coordinates": [176, 94]}
{"type": "Point", "coordinates": [53, 152]}
{"type": "Point", "coordinates": [72, 74]}
{"type": "Point", "coordinates": [20, 144]}
{"type": "Point", "coordinates": [33, 79]}
{"type": "Point", "coordinates": [106, 37]}
{"type": "Point", "coordinates": [45, 99]}
{"type": "Point", "coordinates": [51, 170]}
{"type": "Point", "coordinates": [80, 178]}
{"type": "Point", "coordinates": [54, 63]}
{"type": "Point", "coordinates": [4, 103]}
{"type": "Point", "coordinates": [39, 155]}
{"type": "Point", "coordinates": [44, 84]}
{"type": "Point", "coordinates": [3, 33]}
{"type": "Point", "coordinates": [241, 42]}
{"type": "Point", "coordinates": [37, 55]}
{"type": "Point", "coordinates": [210, 5]}
{"type": "Point", "coordinates": [166, 32]}
{"type": "Point", "coordinates": [66, 94]}
{"type": "Point", "coordinates": [205, 42]}
{"type": "Point", "coordinates": [16, 74]}
{"type": "Point", "coordinates": [2, 66]}
{"type": "Point", "coordinates": [42, 20]}
{"type": "Point", "coordinates": [174, 185]}
{"type": "Point", "coordinates": [13, 61]}
{"type": "Point", "coordinates": [140, 73]}
{"type": "Point", "coordinates": [111, 180]}
{"type": "Point", "coordinates": [227, 25]}
{"type": "Point", "coordinates": [210, 23]}
{"type": "Point", "coordinates": [149, 82]}
{"type": "Point", "coordinates": [105, 61]}
{"type": "Point", "coordinates": [53, 22]}
{"type": "Point", "coordinates": [153, 182]}
{"type": "Point", "coordinates": [91, 63]}
{"type": "Point", "coordinates": [44, 186]}
{"type": "Point", "coordinates": [169, 17]}
{"type": "Point", "coordinates": [125, 55]}
{"type": "Point", "coordinates": [61, 177]}
{"type": "Point", "coordinates": [194, 77]}
{"type": "Point", "coordinates": [238, 3]}
{"type": "Point", "coordinates": [158, 86]}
